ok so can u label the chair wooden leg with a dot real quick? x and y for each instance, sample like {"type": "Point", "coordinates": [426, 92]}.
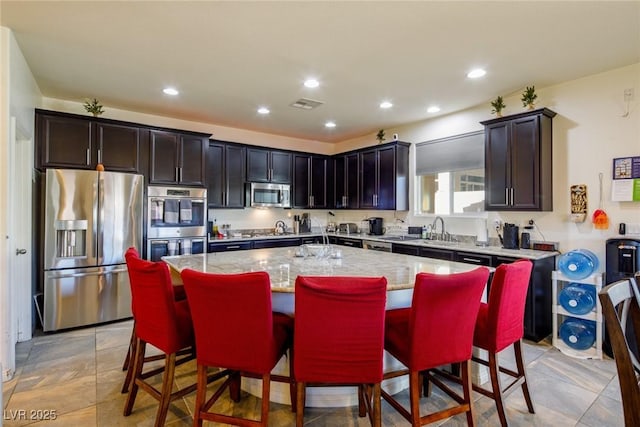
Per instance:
{"type": "Point", "coordinates": [300, 401]}
{"type": "Point", "coordinates": [377, 406]}
{"type": "Point", "coordinates": [292, 383]}
{"type": "Point", "coordinates": [426, 384]}
{"type": "Point", "coordinates": [131, 350]}
{"type": "Point", "coordinates": [517, 348]}
{"type": "Point", "coordinates": [414, 397]}
{"type": "Point", "coordinates": [266, 387]}
{"type": "Point", "coordinates": [138, 361]}
{"type": "Point", "coordinates": [362, 397]}
{"type": "Point", "coordinates": [465, 372]}
{"type": "Point", "coordinates": [234, 386]}
{"type": "Point", "coordinates": [165, 391]}
{"type": "Point", "coordinates": [494, 374]}
{"type": "Point", "coordinates": [201, 395]}
{"type": "Point", "coordinates": [128, 361]}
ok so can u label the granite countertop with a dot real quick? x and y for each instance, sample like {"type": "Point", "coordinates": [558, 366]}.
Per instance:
{"type": "Point", "coordinates": [454, 246]}
{"type": "Point", "coordinates": [284, 266]}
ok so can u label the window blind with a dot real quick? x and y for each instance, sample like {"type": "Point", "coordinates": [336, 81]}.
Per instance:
{"type": "Point", "coordinates": [454, 153]}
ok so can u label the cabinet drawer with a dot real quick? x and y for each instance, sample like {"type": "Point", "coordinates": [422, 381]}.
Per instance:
{"type": "Point", "coordinates": [471, 258]}
{"type": "Point", "coordinates": [276, 243]}
{"type": "Point", "coordinates": [231, 246]}
{"type": "Point", "coordinates": [405, 249]}
{"type": "Point", "coordinates": [345, 241]}
{"type": "Point", "coordinates": [436, 253]}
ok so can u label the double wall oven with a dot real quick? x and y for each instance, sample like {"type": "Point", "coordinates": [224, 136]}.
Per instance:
{"type": "Point", "coordinates": [176, 221]}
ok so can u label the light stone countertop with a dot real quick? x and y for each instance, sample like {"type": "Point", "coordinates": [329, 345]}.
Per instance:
{"type": "Point", "coordinates": [284, 266]}
{"type": "Point", "coordinates": [453, 246]}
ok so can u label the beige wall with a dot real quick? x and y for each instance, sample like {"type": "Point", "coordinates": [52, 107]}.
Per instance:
{"type": "Point", "coordinates": [588, 132]}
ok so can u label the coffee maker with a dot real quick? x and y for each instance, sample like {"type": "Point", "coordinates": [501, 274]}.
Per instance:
{"type": "Point", "coordinates": [375, 226]}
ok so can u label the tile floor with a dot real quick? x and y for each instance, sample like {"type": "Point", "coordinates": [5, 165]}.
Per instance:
{"type": "Point", "coordinates": [78, 375]}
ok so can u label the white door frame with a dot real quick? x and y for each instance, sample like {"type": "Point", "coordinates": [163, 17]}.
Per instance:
{"type": "Point", "coordinates": [18, 315]}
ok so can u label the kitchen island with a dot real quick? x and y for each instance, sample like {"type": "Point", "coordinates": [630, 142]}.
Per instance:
{"type": "Point", "coordinates": [285, 264]}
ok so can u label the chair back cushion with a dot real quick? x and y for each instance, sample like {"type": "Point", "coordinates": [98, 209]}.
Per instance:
{"type": "Point", "coordinates": [232, 319]}
{"type": "Point", "coordinates": [501, 320]}
{"type": "Point", "coordinates": [443, 317]}
{"type": "Point", "coordinates": [160, 320]}
{"type": "Point", "coordinates": [339, 329]}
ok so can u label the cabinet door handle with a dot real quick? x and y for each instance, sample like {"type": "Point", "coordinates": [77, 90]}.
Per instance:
{"type": "Point", "coordinates": [99, 156]}
{"type": "Point", "coordinates": [233, 247]}
{"type": "Point", "coordinates": [506, 196]}
{"type": "Point", "coordinates": [512, 200]}
{"type": "Point", "coordinates": [88, 157]}
{"type": "Point", "coordinates": [474, 260]}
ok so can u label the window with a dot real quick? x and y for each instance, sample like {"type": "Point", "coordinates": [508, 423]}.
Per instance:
{"type": "Point", "coordinates": [450, 175]}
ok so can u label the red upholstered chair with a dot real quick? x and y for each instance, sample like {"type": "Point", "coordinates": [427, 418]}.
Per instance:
{"type": "Point", "coordinates": [339, 338]}
{"type": "Point", "coordinates": [161, 321]}
{"type": "Point", "coordinates": [501, 324]}
{"type": "Point", "coordinates": [235, 329]}
{"type": "Point", "coordinates": [436, 330]}
{"type": "Point", "coordinates": [179, 294]}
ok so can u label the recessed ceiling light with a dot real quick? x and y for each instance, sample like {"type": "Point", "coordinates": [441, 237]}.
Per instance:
{"type": "Point", "coordinates": [386, 104]}
{"type": "Point", "coordinates": [433, 109]}
{"type": "Point", "coordinates": [311, 83]}
{"type": "Point", "coordinates": [330, 125]}
{"type": "Point", "coordinates": [474, 74]}
{"type": "Point", "coordinates": [263, 110]}
{"type": "Point", "coordinates": [170, 91]}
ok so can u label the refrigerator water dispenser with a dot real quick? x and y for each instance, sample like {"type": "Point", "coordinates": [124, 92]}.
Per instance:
{"type": "Point", "coordinates": [71, 238]}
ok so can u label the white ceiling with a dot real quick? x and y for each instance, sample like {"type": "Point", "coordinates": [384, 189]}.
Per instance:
{"type": "Point", "coordinates": [229, 58]}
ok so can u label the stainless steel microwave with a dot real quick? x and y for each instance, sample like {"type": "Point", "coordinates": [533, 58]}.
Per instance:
{"type": "Point", "coordinates": [264, 195]}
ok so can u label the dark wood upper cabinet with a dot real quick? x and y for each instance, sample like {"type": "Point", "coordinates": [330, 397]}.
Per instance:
{"type": "Point", "coordinates": [268, 166]}
{"type": "Point", "coordinates": [78, 142]}
{"type": "Point", "coordinates": [177, 158]}
{"type": "Point", "coordinates": [64, 142]}
{"type": "Point", "coordinates": [310, 174]}
{"type": "Point", "coordinates": [384, 177]}
{"type": "Point", "coordinates": [120, 147]}
{"type": "Point", "coordinates": [518, 162]}
{"type": "Point", "coordinates": [345, 182]}
{"type": "Point", "coordinates": [225, 175]}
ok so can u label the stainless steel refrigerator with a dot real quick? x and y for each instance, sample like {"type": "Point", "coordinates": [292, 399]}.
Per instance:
{"type": "Point", "coordinates": [90, 219]}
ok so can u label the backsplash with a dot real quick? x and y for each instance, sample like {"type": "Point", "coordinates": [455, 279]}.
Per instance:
{"type": "Point", "coordinates": [395, 222]}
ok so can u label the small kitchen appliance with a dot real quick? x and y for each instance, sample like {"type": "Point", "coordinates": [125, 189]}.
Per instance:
{"type": "Point", "coordinates": [347, 228]}
{"type": "Point", "coordinates": [375, 226]}
{"type": "Point", "coordinates": [510, 238]}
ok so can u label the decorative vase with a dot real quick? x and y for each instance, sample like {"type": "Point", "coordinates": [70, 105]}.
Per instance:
{"type": "Point", "coordinates": [531, 106]}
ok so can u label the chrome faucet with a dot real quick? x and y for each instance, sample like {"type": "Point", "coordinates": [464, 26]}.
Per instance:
{"type": "Point", "coordinates": [433, 228]}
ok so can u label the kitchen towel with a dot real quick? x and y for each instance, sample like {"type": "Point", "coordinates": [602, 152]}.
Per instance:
{"type": "Point", "coordinates": [171, 209]}
{"type": "Point", "coordinates": [185, 211]}
{"type": "Point", "coordinates": [157, 210]}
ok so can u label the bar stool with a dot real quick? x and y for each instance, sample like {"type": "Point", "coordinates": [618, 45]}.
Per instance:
{"type": "Point", "coordinates": [436, 330]}
{"type": "Point", "coordinates": [339, 338]}
{"type": "Point", "coordinates": [179, 294]}
{"type": "Point", "coordinates": [235, 329]}
{"type": "Point", "coordinates": [501, 324]}
{"type": "Point", "coordinates": [161, 321]}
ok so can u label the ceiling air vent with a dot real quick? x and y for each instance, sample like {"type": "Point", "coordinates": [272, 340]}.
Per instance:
{"type": "Point", "coordinates": [306, 104]}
